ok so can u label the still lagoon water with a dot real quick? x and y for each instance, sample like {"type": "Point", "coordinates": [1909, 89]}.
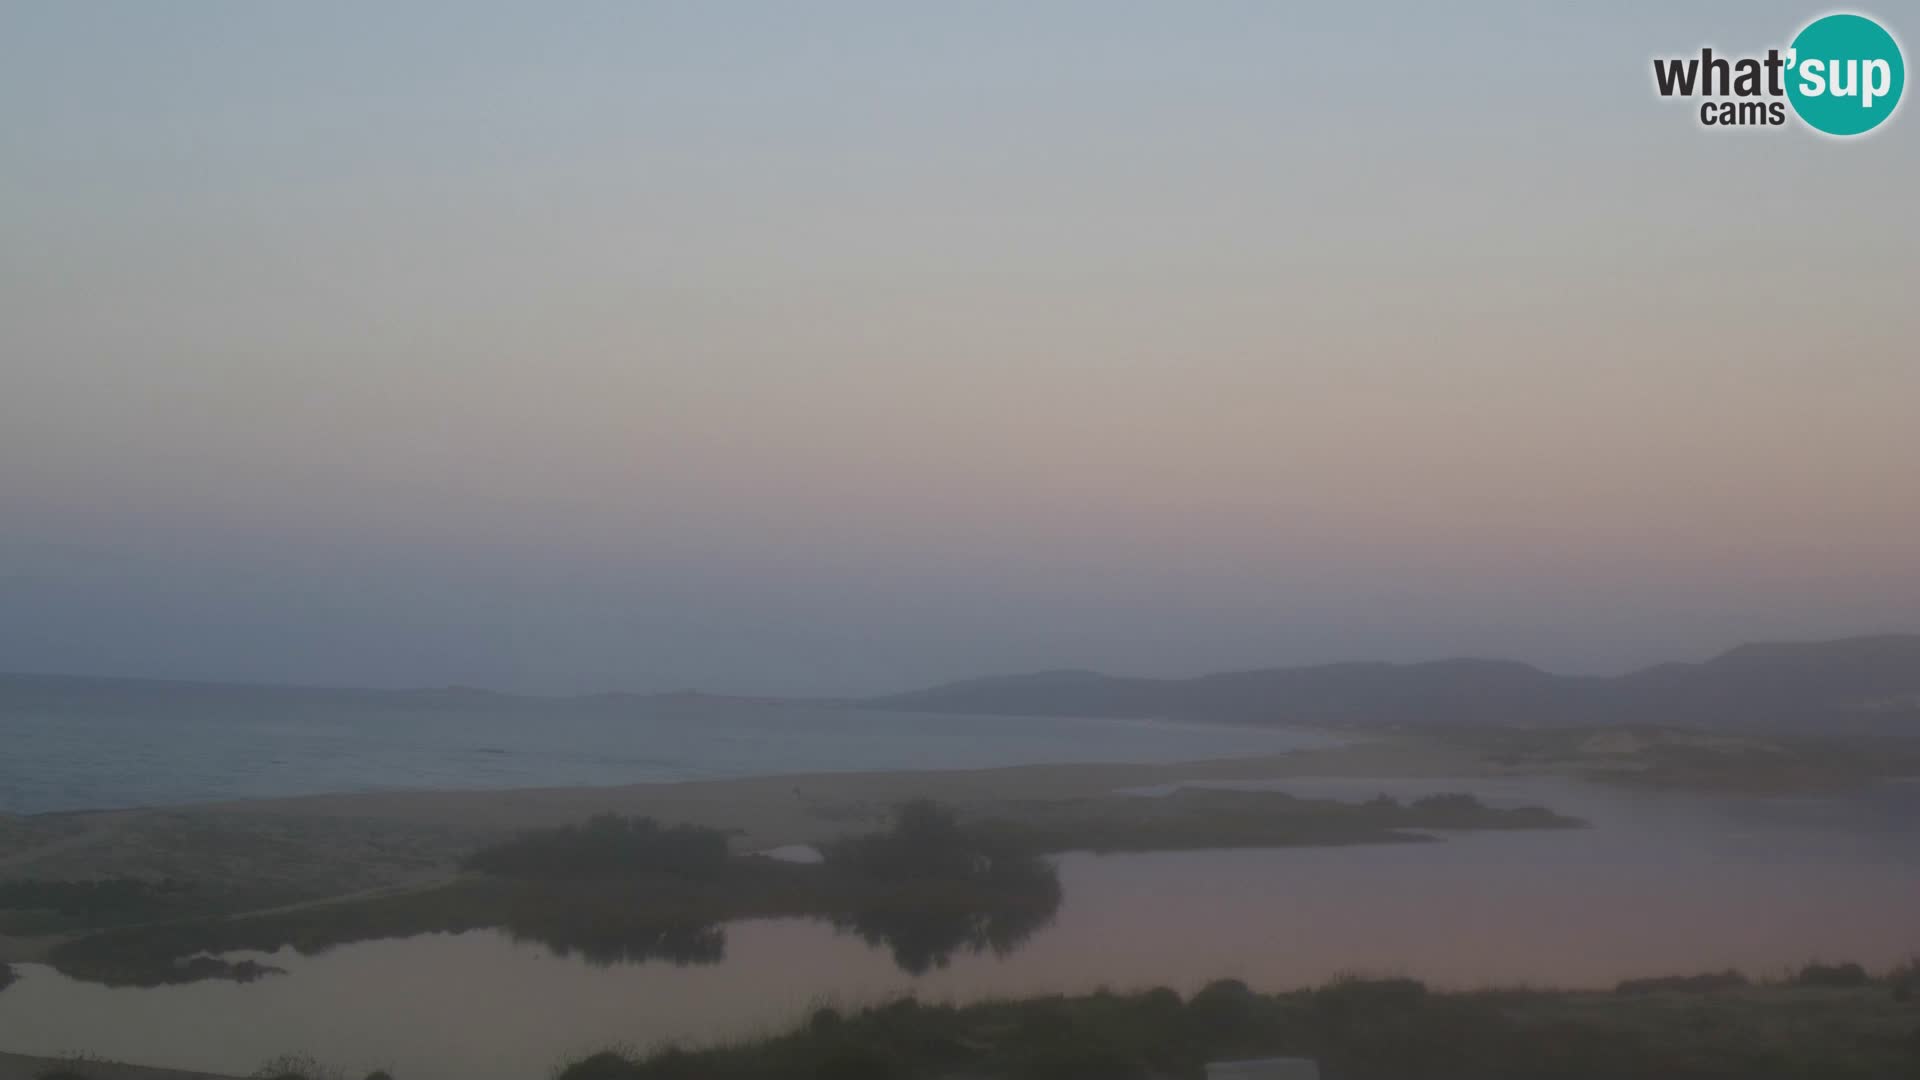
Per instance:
{"type": "Point", "coordinates": [1661, 884]}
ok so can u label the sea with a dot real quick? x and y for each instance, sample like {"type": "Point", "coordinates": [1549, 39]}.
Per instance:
{"type": "Point", "coordinates": [67, 757]}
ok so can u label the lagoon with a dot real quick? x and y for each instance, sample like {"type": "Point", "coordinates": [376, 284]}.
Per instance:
{"type": "Point", "coordinates": [1662, 883]}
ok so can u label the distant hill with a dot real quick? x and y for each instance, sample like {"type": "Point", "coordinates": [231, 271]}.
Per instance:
{"type": "Point", "coordinates": [1865, 684]}
{"type": "Point", "coordinates": [1858, 685]}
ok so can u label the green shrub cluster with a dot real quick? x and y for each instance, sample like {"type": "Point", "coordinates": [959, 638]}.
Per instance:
{"type": "Point", "coordinates": [927, 842]}
{"type": "Point", "coordinates": [1708, 983]}
{"type": "Point", "coordinates": [1357, 1029]}
{"type": "Point", "coordinates": [608, 845]}
{"type": "Point", "coordinates": [1832, 975]}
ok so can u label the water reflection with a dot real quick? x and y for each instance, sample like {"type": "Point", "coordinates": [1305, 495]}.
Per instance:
{"type": "Point", "coordinates": [924, 922]}
{"type": "Point", "coordinates": [605, 946]}
{"type": "Point", "coordinates": [922, 940]}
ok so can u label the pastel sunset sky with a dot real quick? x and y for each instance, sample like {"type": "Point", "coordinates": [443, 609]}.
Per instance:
{"type": "Point", "coordinates": [836, 348]}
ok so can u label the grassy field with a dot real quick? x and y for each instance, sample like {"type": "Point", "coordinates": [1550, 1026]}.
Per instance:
{"type": "Point", "coordinates": [1358, 1029]}
{"type": "Point", "coordinates": [1689, 760]}
{"type": "Point", "coordinates": [1825, 1022]}
{"type": "Point", "coordinates": [1196, 817]}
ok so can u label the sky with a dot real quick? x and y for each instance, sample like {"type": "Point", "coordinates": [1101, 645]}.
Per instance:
{"type": "Point", "coordinates": [840, 348]}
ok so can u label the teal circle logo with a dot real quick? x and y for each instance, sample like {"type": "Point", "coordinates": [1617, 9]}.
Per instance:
{"type": "Point", "coordinates": [1845, 74]}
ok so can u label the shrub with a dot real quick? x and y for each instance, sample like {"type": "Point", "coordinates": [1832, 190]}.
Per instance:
{"type": "Point", "coordinates": [1682, 984]}
{"type": "Point", "coordinates": [104, 900]}
{"type": "Point", "coordinates": [1357, 998]}
{"type": "Point", "coordinates": [295, 1067]}
{"type": "Point", "coordinates": [1905, 980]}
{"type": "Point", "coordinates": [1831, 975]}
{"type": "Point", "coordinates": [1223, 1007]}
{"type": "Point", "coordinates": [857, 1063]}
{"type": "Point", "coordinates": [925, 842]}
{"type": "Point", "coordinates": [73, 1067]}
{"type": "Point", "coordinates": [904, 1007]}
{"type": "Point", "coordinates": [605, 1065]}
{"type": "Point", "coordinates": [673, 1063]}
{"type": "Point", "coordinates": [1071, 1061]}
{"type": "Point", "coordinates": [608, 845]}
{"type": "Point", "coordinates": [1221, 990]}
{"type": "Point", "coordinates": [1162, 999]}
{"type": "Point", "coordinates": [80, 897]}
{"type": "Point", "coordinates": [1451, 802]}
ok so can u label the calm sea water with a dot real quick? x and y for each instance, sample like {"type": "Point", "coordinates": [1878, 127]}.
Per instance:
{"type": "Point", "coordinates": [98, 759]}
{"type": "Point", "coordinates": [1661, 884]}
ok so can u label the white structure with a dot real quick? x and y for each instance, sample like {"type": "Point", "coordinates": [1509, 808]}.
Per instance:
{"type": "Point", "coordinates": [1265, 1069]}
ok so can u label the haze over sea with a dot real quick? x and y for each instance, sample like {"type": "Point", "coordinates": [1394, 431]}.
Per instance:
{"type": "Point", "coordinates": [110, 755]}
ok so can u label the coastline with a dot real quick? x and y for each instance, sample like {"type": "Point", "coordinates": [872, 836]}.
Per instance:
{"type": "Point", "coordinates": [277, 853]}
{"type": "Point", "coordinates": [251, 857]}
{"type": "Point", "coordinates": [332, 851]}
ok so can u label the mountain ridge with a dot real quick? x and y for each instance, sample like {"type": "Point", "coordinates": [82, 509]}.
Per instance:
{"type": "Point", "coordinates": [1864, 682]}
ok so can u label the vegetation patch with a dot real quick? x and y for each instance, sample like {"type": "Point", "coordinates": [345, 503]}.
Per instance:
{"type": "Point", "coordinates": [73, 1067]}
{"type": "Point", "coordinates": [937, 882]}
{"type": "Point", "coordinates": [1708, 983]}
{"type": "Point", "coordinates": [1832, 975]}
{"type": "Point", "coordinates": [1357, 1029]}
{"type": "Point", "coordinates": [1195, 818]}
{"type": "Point", "coordinates": [1905, 982]}
{"type": "Point", "coordinates": [926, 888]}
{"type": "Point", "coordinates": [31, 906]}
{"type": "Point", "coordinates": [607, 846]}
{"type": "Point", "coordinates": [1691, 760]}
